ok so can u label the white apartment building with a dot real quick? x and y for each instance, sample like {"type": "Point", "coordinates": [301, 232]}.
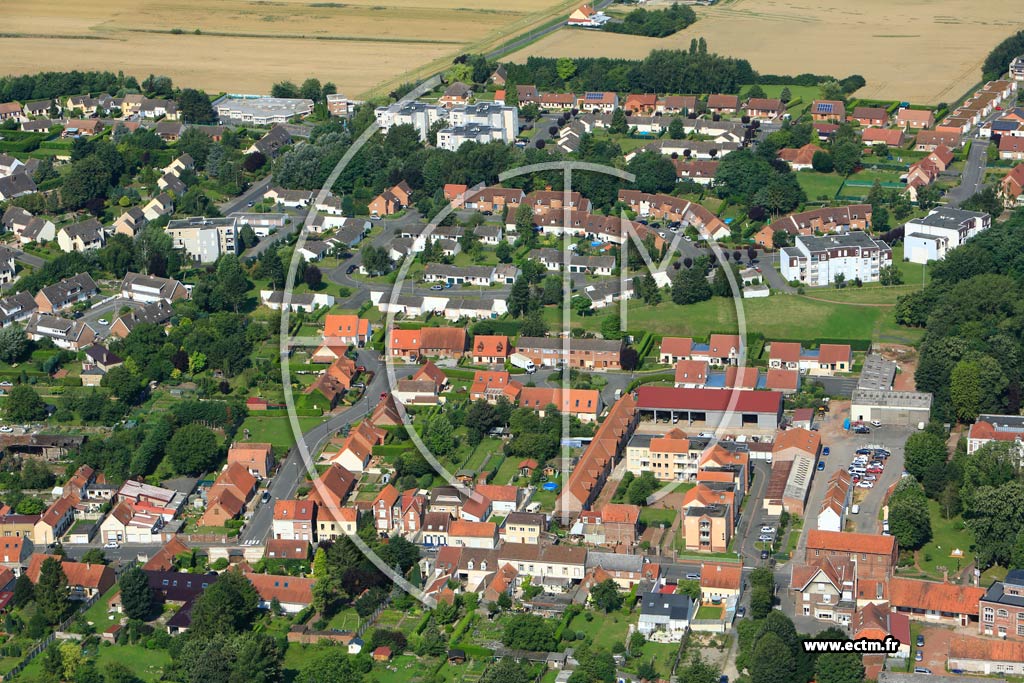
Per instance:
{"type": "Point", "coordinates": [487, 115]}
{"type": "Point", "coordinates": [930, 238]}
{"type": "Point", "coordinates": [817, 261]}
{"type": "Point", "coordinates": [418, 114]}
{"type": "Point", "coordinates": [452, 138]}
{"type": "Point", "coordinates": [205, 239]}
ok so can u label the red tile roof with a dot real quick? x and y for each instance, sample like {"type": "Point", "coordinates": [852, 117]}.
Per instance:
{"type": "Point", "coordinates": [721, 575]}
{"type": "Point", "coordinates": [867, 544]}
{"type": "Point", "coordinates": [617, 513]}
{"type": "Point", "coordinates": [806, 440]}
{"type": "Point", "coordinates": [676, 346]}
{"type": "Point", "coordinates": [939, 597]}
{"type": "Point", "coordinates": [490, 345]}
{"type": "Point", "coordinates": [463, 528]}
{"type": "Point", "coordinates": [287, 589]}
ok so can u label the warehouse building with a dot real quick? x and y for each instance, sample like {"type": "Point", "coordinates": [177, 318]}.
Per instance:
{"type": "Point", "coordinates": [901, 408]}
{"type": "Point", "coordinates": [711, 408]}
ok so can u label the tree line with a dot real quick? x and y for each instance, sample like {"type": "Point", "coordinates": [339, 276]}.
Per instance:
{"type": "Point", "coordinates": [654, 23]}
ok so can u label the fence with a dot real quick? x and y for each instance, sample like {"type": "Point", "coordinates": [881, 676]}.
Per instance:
{"type": "Point", "coordinates": [45, 643]}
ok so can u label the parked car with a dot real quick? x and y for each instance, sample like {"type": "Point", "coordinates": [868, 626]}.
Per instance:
{"type": "Point", "coordinates": [103, 321]}
{"type": "Point", "coordinates": [865, 485]}
{"type": "Point", "coordinates": [920, 640]}
{"type": "Point", "coordinates": [351, 269]}
{"type": "Point", "coordinates": [437, 288]}
{"type": "Point", "coordinates": [876, 423]}
{"type": "Point", "coordinates": [765, 538]}
{"type": "Point", "coordinates": [764, 554]}
{"type": "Point", "coordinates": [766, 529]}
{"type": "Point", "coordinates": [922, 670]}
{"type": "Point", "coordinates": [111, 545]}
{"type": "Point", "coordinates": [741, 612]}
{"type": "Point", "coordinates": [918, 656]}
{"type": "Point", "coordinates": [826, 451]}
{"type": "Point", "coordinates": [821, 465]}
{"type": "Point", "coordinates": [265, 497]}
{"type": "Point", "coordinates": [862, 430]}
{"type": "Point", "coordinates": [693, 577]}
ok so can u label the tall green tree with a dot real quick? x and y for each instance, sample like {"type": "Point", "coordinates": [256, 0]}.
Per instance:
{"type": "Point", "coordinates": [773, 661]}
{"type": "Point", "coordinates": [228, 606]}
{"type": "Point", "coordinates": [136, 595]}
{"type": "Point", "coordinates": [53, 596]}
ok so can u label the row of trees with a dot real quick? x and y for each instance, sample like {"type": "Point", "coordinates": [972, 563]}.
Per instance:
{"type": "Point", "coordinates": [654, 23]}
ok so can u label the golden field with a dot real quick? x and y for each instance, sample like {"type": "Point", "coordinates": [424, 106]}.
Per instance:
{"type": "Point", "coordinates": [925, 51]}
{"type": "Point", "coordinates": [247, 45]}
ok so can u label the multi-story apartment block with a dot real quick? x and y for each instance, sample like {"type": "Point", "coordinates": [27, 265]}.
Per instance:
{"type": "Point", "coordinates": [818, 261]}
{"type": "Point", "coordinates": [930, 238]}
{"type": "Point", "coordinates": [205, 239]}
{"type": "Point", "coordinates": [419, 115]}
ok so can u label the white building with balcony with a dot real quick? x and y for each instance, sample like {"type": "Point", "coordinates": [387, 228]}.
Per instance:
{"type": "Point", "coordinates": [818, 261]}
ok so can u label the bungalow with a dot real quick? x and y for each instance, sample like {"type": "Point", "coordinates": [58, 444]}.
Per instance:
{"type": "Point", "coordinates": [640, 104]}
{"type": "Point", "coordinates": [764, 109]}
{"type": "Point", "coordinates": [870, 116]}
{"type": "Point", "coordinates": [723, 104]}
{"type": "Point", "coordinates": [890, 137]}
{"type": "Point", "coordinates": [800, 159]}
{"type": "Point", "coordinates": [827, 359]}
{"type": "Point", "coordinates": [582, 403]}
{"type": "Point", "coordinates": [915, 118]}
{"type": "Point", "coordinates": [292, 199]}
{"type": "Point", "coordinates": [84, 579]}
{"type": "Point", "coordinates": [604, 102]}
{"type": "Point", "coordinates": [828, 110]}
{"type": "Point", "coordinates": [441, 342]}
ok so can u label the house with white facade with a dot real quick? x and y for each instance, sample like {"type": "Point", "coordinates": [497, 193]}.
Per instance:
{"type": "Point", "coordinates": [818, 261]}
{"type": "Point", "coordinates": [930, 238]}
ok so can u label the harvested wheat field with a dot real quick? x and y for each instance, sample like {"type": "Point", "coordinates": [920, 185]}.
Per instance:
{"type": "Point", "coordinates": [925, 51]}
{"type": "Point", "coordinates": [247, 45]}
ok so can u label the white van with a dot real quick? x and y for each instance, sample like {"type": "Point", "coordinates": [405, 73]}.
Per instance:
{"type": "Point", "coordinates": [859, 471]}
{"type": "Point", "coordinates": [855, 510]}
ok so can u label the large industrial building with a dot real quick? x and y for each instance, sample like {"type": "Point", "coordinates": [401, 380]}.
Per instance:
{"type": "Point", "coordinates": [712, 408]}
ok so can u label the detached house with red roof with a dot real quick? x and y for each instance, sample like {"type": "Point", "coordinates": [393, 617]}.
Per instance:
{"type": "Point", "coordinates": [350, 330]}
{"type": "Point", "coordinates": [723, 104]}
{"type": "Point", "coordinates": [1011, 147]}
{"type": "Point", "coordinates": [870, 116]}
{"type": "Point", "coordinates": [354, 451]}
{"type": "Point", "coordinates": [228, 496]}
{"type": "Point", "coordinates": [258, 458]}
{"type": "Point", "coordinates": [828, 110]}
{"type": "Point", "coordinates": [490, 349]}
{"type": "Point", "coordinates": [1011, 187]}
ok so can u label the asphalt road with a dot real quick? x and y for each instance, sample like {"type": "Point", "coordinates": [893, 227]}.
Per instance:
{"type": "Point", "coordinates": [27, 259]}
{"type": "Point", "coordinates": [107, 311]}
{"type": "Point", "coordinates": [293, 470]}
{"type": "Point", "coordinates": [973, 176]}
{"type": "Point", "coordinates": [253, 194]}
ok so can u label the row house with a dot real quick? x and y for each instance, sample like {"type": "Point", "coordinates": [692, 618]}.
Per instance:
{"type": "Point", "coordinates": [490, 349]}
{"type": "Point", "coordinates": [523, 527]}
{"type": "Point", "coordinates": [613, 524]}
{"type": "Point", "coordinates": [720, 350]}
{"type": "Point", "coordinates": [427, 342]}
{"type": "Point", "coordinates": [71, 335]}
{"type": "Point", "coordinates": [675, 209]}
{"type": "Point", "coordinates": [554, 260]}
{"type": "Point", "coordinates": [554, 566]}
{"type": "Point", "coordinates": [588, 354]}
{"type": "Point", "coordinates": [584, 404]}
{"type": "Point", "coordinates": [492, 386]}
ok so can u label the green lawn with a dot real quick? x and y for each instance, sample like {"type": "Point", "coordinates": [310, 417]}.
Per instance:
{"type": "Point", "coordinates": [913, 273]}
{"type": "Point", "coordinates": [274, 427]}
{"type": "Point", "coordinates": [947, 535]}
{"type": "Point", "coordinates": [656, 516]}
{"type": "Point", "coordinates": [604, 629]}
{"type": "Point", "coordinates": [709, 612]}
{"type": "Point", "coordinates": [98, 616]}
{"type": "Point", "coordinates": [146, 664]}
{"type": "Point", "coordinates": [806, 93]}
{"type": "Point", "coordinates": [773, 317]}
{"type": "Point", "coordinates": [345, 620]}
{"type": "Point", "coordinates": [662, 654]}
{"type": "Point", "coordinates": [507, 471]}
{"type": "Point", "coordinates": [545, 498]}
{"type": "Point", "coordinates": [816, 185]}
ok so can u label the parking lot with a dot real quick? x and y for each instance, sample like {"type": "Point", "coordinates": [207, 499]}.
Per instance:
{"type": "Point", "coordinates": [935, 649]}
{"type": "Point", "coordinates": [843, 446]}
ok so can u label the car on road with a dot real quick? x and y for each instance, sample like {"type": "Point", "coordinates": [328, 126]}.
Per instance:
{"type": "Point", "coordinates": [103, 321]}
{"type": "Point", "coordinates": [741, 612]}
{"type": "Point", "coordinates": [764, 554]}
{"type": "Point", "coordinates": [265, 497]}
{"type": "Point", "coordinates": [111, 545]}
{"type": "Point", "coordinates": [437, 288]}
{"type": "Point", "coordinates": [251, 204]}
{"type": "Point", "coordinates": [447, 285]}
{"type": "Point", "coordinates": [693, 577]}
{"type": "Point", "coordinates": [920, 640]}
{"type": "Point", "coordinates": [767, 529]}
{"type": "Point", "coordinates": [826, 451]}
{"type": "Point", "coordinates": [351, 269]}
{"type": "Point", "coordinates": [821, 465]}
{"type": "Point", "coordinates": [876, 423]}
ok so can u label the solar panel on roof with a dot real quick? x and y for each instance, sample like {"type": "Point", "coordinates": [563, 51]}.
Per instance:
{"type": "Point", "coordinates": [825, 107]}
{"type": "Point", "coordinates": [595, 96]}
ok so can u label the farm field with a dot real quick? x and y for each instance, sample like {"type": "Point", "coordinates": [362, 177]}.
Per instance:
{"type": "Point", "coordinates": [938, 46]}
{"type": "Point", "coordinates": [247, 45]}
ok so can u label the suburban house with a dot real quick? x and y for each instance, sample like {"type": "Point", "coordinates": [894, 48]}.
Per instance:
{"type": "Point", "coordinates": [764, 109]}
{"type": "Point", "coordinates": [667, 613]}
{"type": "Point", "coordinates": [800, 158]}
{"type": "Point", "coordinates": [870, 116]}
{"type": "Point", "coordinates": [83, 236]}
{"type": "Point", "coordinates": [590, 354]}
{"type": "Point", "coordinates": [66, 293]}
{"type": "Point", "coordinates": [827, 359]}
{"type": "Point", "coordinates": [828, 110]}
{"type": "Point", "coordinates": [582, 403]}
{"type": "Point", "coordinates": [723, 104]}
{"type": "Point", "coordinates": [490, 349]}
{"type": "Point", "coordinates": [1011, 187]}
{"type": "Point", "coordinates": [350, 330]}
{"type": "Point", "coordinates": [72, 335]}
{"type": "Point", "coordinates": [149, 289]}
{"type": "Point", "coordinates": [258, 458]}
{"type": "Point", "coordinates": [915, 118]}
{"type": "Point", "coordinates": [228, 495]}
{"type": "Point", "coordinates": [391, 201]}
{"type": "Point", "coordinates": [428, 342]}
